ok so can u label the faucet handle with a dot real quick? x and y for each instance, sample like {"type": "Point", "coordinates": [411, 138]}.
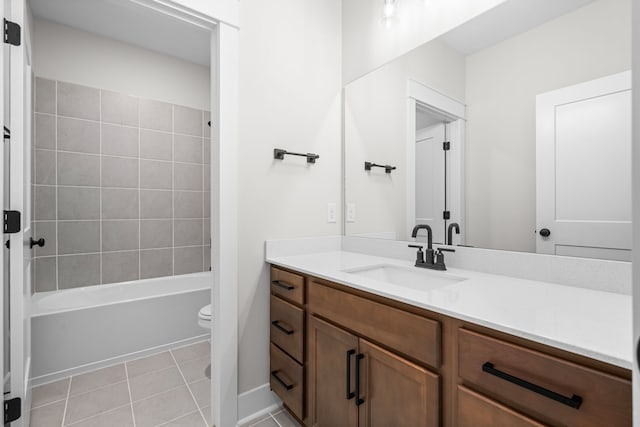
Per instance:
{"type": "Point", "coordinates": [419, 254]}
{"type": "Point", "coordinates": [415, 246]}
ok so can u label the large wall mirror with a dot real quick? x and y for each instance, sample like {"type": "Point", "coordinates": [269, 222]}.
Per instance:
{"type": "Point", "coordinates": [511, 132]}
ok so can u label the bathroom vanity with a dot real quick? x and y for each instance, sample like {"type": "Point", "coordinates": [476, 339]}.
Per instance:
{"type": "Point", "coordinates": [352, 346]}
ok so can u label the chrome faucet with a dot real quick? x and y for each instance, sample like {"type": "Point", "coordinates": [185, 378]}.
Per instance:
{"type": "Point", "coordinates": [427, 259]}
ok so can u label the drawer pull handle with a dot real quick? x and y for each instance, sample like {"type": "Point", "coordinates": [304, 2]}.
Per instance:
{"type": "Point", "coordinates": [359, 400]}
{"type": "Point", "coordinates": [274, 374]}
{"type": "Point", "coordinates": [277, 324]}
{"type": "Point", "coordinates": [283, 285]}
{"type": "Point", "coordinates": [574, 401]}
{"type": "Point", "coordinates": [350, 394]}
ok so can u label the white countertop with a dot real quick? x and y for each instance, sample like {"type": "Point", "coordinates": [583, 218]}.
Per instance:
{"type": "Point", "coordinates": [591, 323]}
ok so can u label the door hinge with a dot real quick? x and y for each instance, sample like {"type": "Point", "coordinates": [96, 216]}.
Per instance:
{"type": "Point", "coordinates": [446, 215]}
{"type": "Point", "coordinates": [12, 409]}
{"type": "Point", "coordinates": [7, 133]}
{"type": "Point", "coordinates": [12, 33]}
{"type": "Point", "coordinates": [11, 222]}
{"type": "Point", "coordinates": [446, 146]}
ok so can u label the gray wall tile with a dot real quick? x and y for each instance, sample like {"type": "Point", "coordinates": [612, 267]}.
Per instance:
{"type": "Point", "coordinates": [156, 233]}
{"type": "Point", "coordinates": [205, 124]}
{"type": "Point", "coordinates": [82, 136]}
{"type": "Point", "coordinates": [187, 120]}
{"type": "Point", "coordinates": [120, 235]}
{"type": "Point", "coordinates": [206, 151]}
{"type": "Point", "coordinates": [45, 96]}
{"type": "Point", "coordinates": [78, 101]}
{"type": "Point", "coordinates": [155, 115]}
{"type": "Point", "coordinates": [188, 204]}
{"type": "Point", "coordinates": [119, 140]}
{"type": "Point", "coordinates": [187, 232]}
{"type": "Point", "coordinates": [120, 266]}
{"type": "Point", "coordinates": [78, 237]}
{"type": "Point", "coordinates": [156, 263]}
{"type": "Point", "coordinates": [47, 231]}
{"type": "Point", "coordinates": [156, 174]}
{"type": "Point", "coordinates": [78, 203]}
{"type": "Point", "coordinates": [119, 172]}
{"type": "Point", "coordinates": [78, 169]}
{"type": "Point", "coordinates": [78, 270]}
{"type": "Point", "coordinates": [155, 204]}
{"type": "Point", "coordinates": [156, 145]}
{"type": "Point", "coordinates": [45, 167]}
{"type": "Point", "coordinates": [207, 204]}
{"type": "Point", "coordinates": [45, 203]}
{"type": "Point", "coordinates": [206, 232]}
{"type": "Point", "coordinates": [187, 177]}
{"type": "Point", "coordinates": [119, 203]}
{"type": "Point", "coordinates": [187, 148]}
{"type": "Point", "coordinates": [45, 272]}
{"type": "Point", "coordinates": [188, 260]}
{"type": "Point", "coordinates": [206, 178]}
{"type": "Point", "coordinates": [45, 131]}
{"type": "Point", "coordinates": [119, 108]}
{"type": "Point", "coordinates": [207, 258]}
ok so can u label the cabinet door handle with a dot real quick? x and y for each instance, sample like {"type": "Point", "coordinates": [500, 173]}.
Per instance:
{"type": "Point", "coordinates": [574, 401]}
{"type": "Point", "coordinates": [277, 324]}
{"type": "Point", "coordinates": [359, 400]}
{"type": "Point", "coordinates": [283, 285]}
{"type": "Point", "coordinates": [275, 375]}
{"type": "Point", "coordinates": [350, 394]}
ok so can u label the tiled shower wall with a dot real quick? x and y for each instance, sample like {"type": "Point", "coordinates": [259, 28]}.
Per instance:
{"type": "Point", "coordinates": [121, 187]}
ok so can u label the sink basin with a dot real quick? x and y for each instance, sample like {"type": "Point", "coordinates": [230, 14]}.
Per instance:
{"type": "Point", "coordinates": [414, 278]}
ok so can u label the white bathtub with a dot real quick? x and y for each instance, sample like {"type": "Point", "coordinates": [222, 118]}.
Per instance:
{"type": "Point", "coordinates": [81, 329]}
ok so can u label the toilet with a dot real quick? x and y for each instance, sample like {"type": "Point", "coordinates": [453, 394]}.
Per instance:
{"type": "Point", "coordinates": [204, 317]}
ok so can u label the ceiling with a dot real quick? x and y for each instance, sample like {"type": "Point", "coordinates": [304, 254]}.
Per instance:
{"type": "Point", "coordinates": [131, 22]}
{"type": "Point", "coordinates": [506, 20]}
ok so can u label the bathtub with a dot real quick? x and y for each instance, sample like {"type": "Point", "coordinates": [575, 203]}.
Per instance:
{"type": "Point", "coordinates": [81, 329]}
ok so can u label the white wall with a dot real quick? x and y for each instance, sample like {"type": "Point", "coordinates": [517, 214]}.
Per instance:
{"type": "Point", "coordinates": [501, 85]}
{"type": "Point", "coordinates": [290, 98]}
{"type": "Point", "coordinates": [375, 131]}
{"type": "Point", "coordinates": [369, 43]}
{"type": "Point", "coordinates": [64, 53]}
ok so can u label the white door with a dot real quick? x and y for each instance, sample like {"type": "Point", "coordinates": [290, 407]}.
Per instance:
{"type": "Point", "coordinates": [430, 180]}
{"type": "Point", "coordinates": [583, 169]}
{"type": "Point", "coordinates": [20, 200]}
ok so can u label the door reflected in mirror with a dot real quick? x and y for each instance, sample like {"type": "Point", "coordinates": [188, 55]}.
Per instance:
{"type": "Point", "coordinates": [520, 141]}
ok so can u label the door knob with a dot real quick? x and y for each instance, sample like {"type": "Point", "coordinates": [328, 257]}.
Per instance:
{"type": "Point", "coordinates": [39, 242]}
{"type": "Point", "coordinates": [545, 232]}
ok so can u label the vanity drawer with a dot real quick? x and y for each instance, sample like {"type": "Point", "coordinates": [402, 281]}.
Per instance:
{"type": "Point", "coordinates": [287, 285]}
{"type": "Point", "coordinates": [287, 327]}
{"type": "Point", "coordinates": [286, 380]}
{"type": "Point", "coordinates": [475, 410]}
{"type": "Point", "coordinates": [511, 373]}
{"type": "Point", "coordinates": [406, 333]}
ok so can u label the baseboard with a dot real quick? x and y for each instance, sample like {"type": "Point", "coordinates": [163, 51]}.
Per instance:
{"type": "Point", "coordinates": [44, 379]}
{"type": "Point", "coordinates": [256, 402]}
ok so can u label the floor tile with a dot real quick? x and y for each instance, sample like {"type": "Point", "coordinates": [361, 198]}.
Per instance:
{"type": "Point", "coordinates": [194, 370]}
{"type": "Point", "coordinates": [201, 392]}
{"type": "Point", "coordinates": [98, 378]}
{"type": "Point", "coordinates": [206, 412]}
{"type": "Point", "coordinates": [268, 422]}
{"type": "Point", "coordinates": [120, 417]}
{"type": "Point", "coordinates": [256, 421]}
{"type": "Point", "coordinates": [95, 402]}
{"type": "Point", "coordinates": [163, 407]}
{"type": "Point", "coordinates": [156, 382]}
{"type": "Point", "coordinates": [192, 420]}
{"type": "Point", "coordinates": [48, 416]}
{"type": "Point", "coordinates": [48, 393]}
{"type": "Point", "coordinates": [285, 419]}
{"type": "Point", "coordinates": [149, 364]}
{"type": "Point", "coordinates": [194, 351]}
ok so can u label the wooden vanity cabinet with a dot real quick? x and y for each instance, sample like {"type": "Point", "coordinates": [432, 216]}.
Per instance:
{"type": "Point", "coordinates": [368, 361]}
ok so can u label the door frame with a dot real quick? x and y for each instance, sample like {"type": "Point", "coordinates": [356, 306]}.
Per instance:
{"type": "Point", "coordinates": [419, 94]}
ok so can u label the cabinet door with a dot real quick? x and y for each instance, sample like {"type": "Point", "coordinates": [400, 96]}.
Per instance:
{"type": "Point", "coordinates": [332, 354]}
{"type": "Point", "coordinates": [475, 410]}
{"type": "Point", "coordinates": [396, 392]}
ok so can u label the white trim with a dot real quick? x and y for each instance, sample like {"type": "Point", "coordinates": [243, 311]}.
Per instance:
{"type": "Point", "coordinates": [257, 402]}
{"type": "Point", "coordinates": [456, 112]}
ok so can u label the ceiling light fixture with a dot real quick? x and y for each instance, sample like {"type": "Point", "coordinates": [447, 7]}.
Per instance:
{"type": "Point", "coordinates": [389, 9]}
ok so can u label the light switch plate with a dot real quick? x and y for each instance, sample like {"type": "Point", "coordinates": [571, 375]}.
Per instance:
{"type": "Point", "coordinates": [351, 212]}
{"type": "Point", "coordinates": [332, 212]}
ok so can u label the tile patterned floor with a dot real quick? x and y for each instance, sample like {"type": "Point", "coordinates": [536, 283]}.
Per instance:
{"type": "Point", "coordinates": [279, 418]}
{"type": "Point", "coordinates": [168, 389]}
